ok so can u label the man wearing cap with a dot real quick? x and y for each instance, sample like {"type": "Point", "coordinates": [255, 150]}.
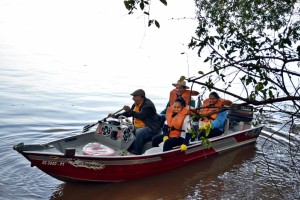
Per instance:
{"type": "Point", "coordinates": [181, 90]}
{"type": "Point", "coordinates": [145, 119]}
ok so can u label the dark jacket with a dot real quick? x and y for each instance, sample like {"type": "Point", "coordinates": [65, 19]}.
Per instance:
{"type": "Point", "coordinates": [147, 114]}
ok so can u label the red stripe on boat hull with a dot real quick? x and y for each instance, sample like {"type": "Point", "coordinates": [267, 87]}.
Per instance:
{"type": "Point", "coordinates": [121, 168]}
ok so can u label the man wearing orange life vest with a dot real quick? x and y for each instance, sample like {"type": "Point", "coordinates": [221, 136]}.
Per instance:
{"type": "Point", "coordinates": [175, 131]}
{"type": "Point", "coordinates": [181, 90]}
{"type": "Point", "coordinates": [212, 114]}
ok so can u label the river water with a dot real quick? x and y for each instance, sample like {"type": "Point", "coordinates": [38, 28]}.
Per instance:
{"type": "Point", "coordinates": [64, 64]}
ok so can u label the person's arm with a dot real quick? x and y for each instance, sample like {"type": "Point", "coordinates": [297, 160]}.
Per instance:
{"type": "Point", "coordinates": [127, 112]}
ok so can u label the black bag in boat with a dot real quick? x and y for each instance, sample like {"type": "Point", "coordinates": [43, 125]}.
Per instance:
{"type": "Point", "coordinates": [244, 114]}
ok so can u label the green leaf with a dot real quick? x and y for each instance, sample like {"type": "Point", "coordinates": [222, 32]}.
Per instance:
{"type": "Point", "coordinates": [156, 24]}
{"type": "Point", "coordinates": [252, 96]}
{"type": "Point", "coordinates": [142, 5]}
{"type": "Point", "coordinates": [271, 94]}
{"type": "Point", "coordinates": [248, 80]}
{"type": "Point", "coordinates": [243, 78]}
{"type": "Point", "coordinates": [259, 87]}
{"type": "Point", "coordinates": [127, 5]}
{"type": "Point", "coordinates": [164, 2]}
{"type": "Point", "coordinates": [130, 5]}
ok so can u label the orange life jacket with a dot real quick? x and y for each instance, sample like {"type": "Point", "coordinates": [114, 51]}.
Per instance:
{"type": "Point", "coordinates": [175, 123]}
{"type": "Point", "coordinates": [186, 95]}
{"type": "Point", "coordinates": [215, 108]}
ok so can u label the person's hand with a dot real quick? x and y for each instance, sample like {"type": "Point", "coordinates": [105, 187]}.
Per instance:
{"type": "Point", "coordinates": [165, 138]}
{"type": "Point", "coordinates": [126, 108]}
{"type": "Point", "coordinates": [183, 147]}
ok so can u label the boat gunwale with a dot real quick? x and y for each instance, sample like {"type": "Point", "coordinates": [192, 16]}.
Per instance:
{"type": "Point", "coordinates": [192, 146]}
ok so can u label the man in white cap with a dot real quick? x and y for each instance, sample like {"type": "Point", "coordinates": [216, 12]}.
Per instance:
{"type": "Point", "coordinates": [145, 120]}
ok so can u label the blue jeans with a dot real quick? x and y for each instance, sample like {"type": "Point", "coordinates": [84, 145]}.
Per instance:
{"type": "Point", "coordinates": [142, 136]}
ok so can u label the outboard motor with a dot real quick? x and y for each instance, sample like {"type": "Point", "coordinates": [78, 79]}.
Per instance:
{"type": "Point", "coordinates": [244, 114]}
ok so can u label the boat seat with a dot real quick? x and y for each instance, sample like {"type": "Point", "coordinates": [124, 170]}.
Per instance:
{"type": "Point", "coordinates": [147, 145]}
